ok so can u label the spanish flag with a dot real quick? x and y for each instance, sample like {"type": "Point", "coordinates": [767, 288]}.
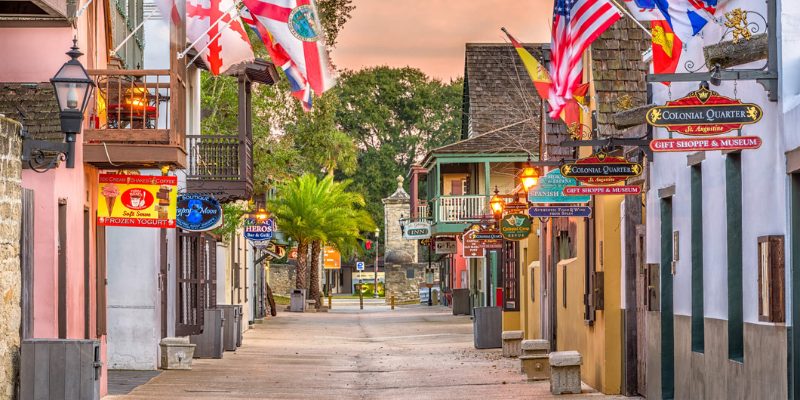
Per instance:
{"type": "Point", "coordinates": [539, 75]}
{"type": "Point", "coordinates": [667, 48]}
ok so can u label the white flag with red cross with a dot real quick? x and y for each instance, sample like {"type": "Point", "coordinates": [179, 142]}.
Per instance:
{"type": "Point", "coordinates": [294, 24]}
{"type": "Point", "coordinates": [226, 43]}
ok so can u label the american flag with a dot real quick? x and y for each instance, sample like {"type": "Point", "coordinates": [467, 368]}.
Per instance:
{"type": "Point", "coordinates": [576, 24]}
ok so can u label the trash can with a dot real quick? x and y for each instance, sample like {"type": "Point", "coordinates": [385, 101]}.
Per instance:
{"type": "Point", "coordinates": [298, 300]}
{"type": "Point", "coordinates": [461, 302]}
{"type": "Point", "coordinates": [487, 327]}
{"type": "Point", "coordinates": [232, 326]}
{"type": "Point", "coordinates": [210, 342]}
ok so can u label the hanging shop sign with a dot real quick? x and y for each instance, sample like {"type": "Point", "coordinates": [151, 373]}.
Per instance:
{"type": "Point", "coordinates": [417, 231]}
{"type": "Point", "coordinates": [601, 190]}
{"type": "Point", "coordinates": [471, 247]}
{"type": "Point", "coordinates": [514, 208]}
{"type": "Point", "coordinates": [259, 231]}
{"type": "Point", "coordinates": [704, 113]}
{"type": "Point", "coordinates": [560, 211]}
{"type": "Point", "coordinates": [137, 200]}
{"type": "Point", "coordinates": [601, 169]}
{"type": "Point", "coordinates": [515, 227]}
{"type": "Point", "coordinates": [445, 245]}
{"type": "Point", "coordinates": [706, 144]}
{"type": "Point", "coordinates": [490, 239]}
{"type": "Point", "coordinates": [198, 213]}
{"type": "Point", "coordinates": [332, 259]}
{"type": "Point", "coordinates": [275, 252]}
{"type": "Point", "coordinates": [551, 190]}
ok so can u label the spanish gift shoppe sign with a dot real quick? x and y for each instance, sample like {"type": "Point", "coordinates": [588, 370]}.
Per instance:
{"type": "Point", "coordinates": [137, 201]}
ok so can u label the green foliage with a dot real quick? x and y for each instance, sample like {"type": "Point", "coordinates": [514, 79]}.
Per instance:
{"type": "Point", "coordinates": [232, 220]}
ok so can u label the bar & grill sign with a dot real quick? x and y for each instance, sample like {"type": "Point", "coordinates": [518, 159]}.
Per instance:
{"type": "Point", "coordinates": [198, 213]}
{"type": "Point", "coordinates": [259, 231]}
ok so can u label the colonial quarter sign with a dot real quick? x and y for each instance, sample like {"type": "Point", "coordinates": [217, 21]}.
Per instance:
{"type": "Point", "coordinates": [704, 113]}
{"type": "Point", "coordinates": [601, 169]}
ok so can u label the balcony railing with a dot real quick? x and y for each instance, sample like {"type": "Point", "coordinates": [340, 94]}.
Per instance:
{"type": "Point", "coordinates": [459, 209]}
{"type": "Point", "coordinates": [136, 108]}
{"type": "Point", "coordinates": [220, 165]}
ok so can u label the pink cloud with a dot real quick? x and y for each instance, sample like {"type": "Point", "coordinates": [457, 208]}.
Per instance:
{"type": "Point", "coordinates": [431, 34]}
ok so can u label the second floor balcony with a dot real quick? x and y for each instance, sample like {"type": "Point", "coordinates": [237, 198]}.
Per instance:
{"type": "Point", "coordinates": [460, 209]}
{"type": "Point", "coordinates": [139, 120]}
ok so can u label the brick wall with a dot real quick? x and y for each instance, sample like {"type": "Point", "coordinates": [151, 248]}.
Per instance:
{"type": "Point", "coordinates": [10, 274]}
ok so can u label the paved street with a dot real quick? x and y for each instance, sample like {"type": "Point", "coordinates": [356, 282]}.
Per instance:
{"type": "Point", "coordinates": [413, 352]}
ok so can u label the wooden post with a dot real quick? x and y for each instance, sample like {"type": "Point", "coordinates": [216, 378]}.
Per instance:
{"type": "Point", "coordinates": [392, 302]}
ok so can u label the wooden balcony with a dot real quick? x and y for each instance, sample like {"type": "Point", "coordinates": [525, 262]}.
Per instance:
{"type": "Point", "coordinates": [221, 165]}
{"type": "Point", "coordinates": [139, 120]}
{"type": "Point", "coordinates": [461, 209]}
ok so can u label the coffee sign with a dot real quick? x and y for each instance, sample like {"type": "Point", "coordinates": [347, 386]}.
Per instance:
{"type": "Point", "coordinates": [602, 169]}
{"type": "Point", "coordinates": [198, 213]}
{"type": "Point", "coordinates": [515, 227]}
{"type": "Point", "coordinates": [704, 113]}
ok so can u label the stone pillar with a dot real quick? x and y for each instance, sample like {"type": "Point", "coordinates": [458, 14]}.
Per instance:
{"type": "Point", "coordinates": [403, 274]}
{"type": "Point", "coordinates": [10, 271]}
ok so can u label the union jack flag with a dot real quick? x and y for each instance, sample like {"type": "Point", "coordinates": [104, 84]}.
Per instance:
{"type": "Point", "coordinates": [576, 24]}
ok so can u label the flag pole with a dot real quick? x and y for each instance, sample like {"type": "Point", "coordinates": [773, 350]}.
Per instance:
{"type": "Point", "coordinates": [82, 9]}
{"type": "Point", "coordinates": [628, 13]}
{"type": "Point", "coordinates": [210, 27]}
{"type": "Point", "coordinates": [200, 52]}
{"type": "Point", "coordinates": [141, 24]}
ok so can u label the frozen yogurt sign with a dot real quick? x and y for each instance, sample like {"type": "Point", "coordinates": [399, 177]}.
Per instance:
{"type": "Point", "coordinates": [137, 201]}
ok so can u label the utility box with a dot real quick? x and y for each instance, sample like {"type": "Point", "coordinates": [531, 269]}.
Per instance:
{"type": "Point", "coordinates": [232, 326]}
{"type": "Point", "coordinates": [60, 369]}
{"type": "Point", "coordinates": [210, 342]}
{"type": "Point", "coordinates": [487, 327]}
{"type": "Point", "coordinates": [298, 300]}
{"type": "Point", "coordinates": [461, 302]}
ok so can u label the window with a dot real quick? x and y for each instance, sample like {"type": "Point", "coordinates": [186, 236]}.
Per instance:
{"type": "Point", "coordinates": [510, 265]}
{"type": "Point", "coordinates": [698, 329]}
{"type": "Point", "coordinates": [771, 279]}
{"type": "Point", "coordinates": [409, 273]}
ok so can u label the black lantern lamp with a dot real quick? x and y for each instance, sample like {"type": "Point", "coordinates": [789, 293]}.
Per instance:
{"type": "Point", "coordinates": [73, 88]}
{"type": "Point", "coordinates": [529, 175]}
{"type": "Point", "coordinates": [497, 204]}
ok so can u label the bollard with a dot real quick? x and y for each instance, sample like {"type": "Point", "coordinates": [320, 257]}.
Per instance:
{"type": "Point", "coordinates": [361, 299]}
{"type": "Point", "coordinates": [392, 302]}
{"type": "Point", "coordinates": [330, 300]}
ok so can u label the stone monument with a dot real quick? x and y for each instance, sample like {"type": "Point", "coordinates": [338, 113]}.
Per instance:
{"type": "Point", "coordinates": [403, 274]}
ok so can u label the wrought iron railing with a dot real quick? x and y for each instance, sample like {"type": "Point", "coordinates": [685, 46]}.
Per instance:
{"type": "Point", "coordinates": [216, 157]}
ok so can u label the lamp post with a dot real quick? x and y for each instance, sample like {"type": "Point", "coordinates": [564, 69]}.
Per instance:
{"type": "Point", "coordinates": [73, 88]}
{"type": "Point", "coordinates": [377, 244]}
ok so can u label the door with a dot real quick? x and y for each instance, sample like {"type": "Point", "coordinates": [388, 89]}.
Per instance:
{"type": "Point", "coordinates": [195, 281]}
{"type": "Point", "coordinates": [641, 311]}
{"type": "Point", "coordinates": [26, 259]}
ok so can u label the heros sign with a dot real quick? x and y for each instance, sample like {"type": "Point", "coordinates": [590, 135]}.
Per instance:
{"type": "Point", "coordinates": [137, 201]}
{"type": "Point", "coordinates": [198, 213]}
{"type": "Point", "coordinates": [704, 113]}
{"type": "Point", "coordinates": [259, 231]}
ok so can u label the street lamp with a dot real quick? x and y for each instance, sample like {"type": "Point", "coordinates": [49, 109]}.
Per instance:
{"type": "Point", "coordinates": [497, 204]}
{"type": "Point", "coordinates": [529, 176]}
{"type": "Point", "coordinates": [262, 215]}
{"type": "Point", "coordinates": [377, 243]}
{"type": "Point", "coordinates": [73, 89]}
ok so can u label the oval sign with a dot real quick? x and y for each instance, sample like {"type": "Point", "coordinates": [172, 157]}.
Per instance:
{"type": "Point", "coordinates": [198, 213]}
{"type": "Point", "coordinates": [259, 231]}
{"type": "Point", "coordinates": [515, 227]}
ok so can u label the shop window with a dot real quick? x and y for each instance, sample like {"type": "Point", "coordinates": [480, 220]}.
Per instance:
{"type": "Point", "coordinates": [771, 279]}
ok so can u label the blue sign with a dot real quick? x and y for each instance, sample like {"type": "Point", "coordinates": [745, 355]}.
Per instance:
{"type": "Point", "coordinates": [198, 213]}
{"type": "Point", "coordinates": [259, 231]}
{"type": "Point", "coordinates": [551, 190]}
{"type": "Point", "coordinates": [560, 211]}
{"type": "Point", "coordinates": [360, 266]}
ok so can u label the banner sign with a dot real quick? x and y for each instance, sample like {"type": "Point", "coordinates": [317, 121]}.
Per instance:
{"type": "Point", "coordinates": [198, 213]}
{"type": "Point", "coordinates": [601, 169]}
{"type": "Point", "coordinates": [601, 190]}
{"type": "Point", "coordinates": [706, 144]}
{"type": "Point", "coordinates": [704, 113]}
{"type": "Point", "coordinates": [417, 231]}
{"type": "Point", "coordinates": [137, 200]}
{"type": "Point", "coordinates": [560, 211]}
{"type": "Point", "coordinates": [471, 247]}
{"type": "Point", "coordinates": [446, 245]}
{"type": "Point", "coordinates": [515, 227]}
{"type": "Point", "coordinates": [490, 239]}
{"type": "Point", "coordinates": [551, 190]}
{"type": "Point", "coordinates": [259, 231]}
{"type": "Point", "coordinates": [332, 259]}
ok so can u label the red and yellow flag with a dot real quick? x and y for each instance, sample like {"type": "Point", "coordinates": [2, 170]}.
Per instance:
{"type": "Point", "coordinates": [667, 48]}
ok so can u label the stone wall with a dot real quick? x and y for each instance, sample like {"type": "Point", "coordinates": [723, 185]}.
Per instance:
{"type": "Point", "coordinates": [403, 281]}
{"type": "Point", "coordinates": [282, 278]}
{"type": "Point", "coordinates": [10, 273]}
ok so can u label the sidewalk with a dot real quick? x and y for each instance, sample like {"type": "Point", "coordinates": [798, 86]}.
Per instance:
{"type": "Point", "coordinates": [413, 352]}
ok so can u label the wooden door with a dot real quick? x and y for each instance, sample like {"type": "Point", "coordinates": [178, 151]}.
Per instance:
{"type": "Point", "coordinates": [190, 282]}
{"type": "Point", "coordinates": [641, 311]}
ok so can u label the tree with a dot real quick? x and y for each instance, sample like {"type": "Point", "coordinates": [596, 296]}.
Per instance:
{"type": "Point", "coordinates": [395, 116]}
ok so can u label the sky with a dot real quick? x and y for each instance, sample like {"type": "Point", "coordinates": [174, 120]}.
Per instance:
{"type": "Point", "coordinates": [430, 34]}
